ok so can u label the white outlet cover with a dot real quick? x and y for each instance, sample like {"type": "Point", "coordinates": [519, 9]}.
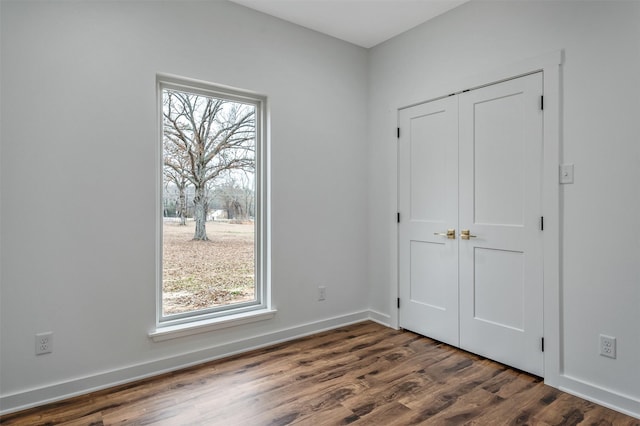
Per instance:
{"type": "Point", "coordinates": [322, 293]}
{"type": "Point", "coordinates": [44, 343]}
{"type": "Point", "coordinates": [566, 173]}
{"type": "Point", "coordinates": [608, 346]}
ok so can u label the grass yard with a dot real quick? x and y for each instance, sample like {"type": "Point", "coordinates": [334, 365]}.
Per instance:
{"type": "Point", "coordinates": [204, 274]}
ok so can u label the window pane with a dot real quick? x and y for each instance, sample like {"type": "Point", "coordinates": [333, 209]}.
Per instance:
{"type": "Point", "coordinates": [209, 203]}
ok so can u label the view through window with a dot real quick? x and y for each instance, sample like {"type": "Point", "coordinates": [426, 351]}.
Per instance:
{"type": "Point", "coordinates": [209, 201]}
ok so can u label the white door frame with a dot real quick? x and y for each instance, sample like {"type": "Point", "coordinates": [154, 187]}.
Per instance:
{"type": "Point", "coordinates": [550, 64]}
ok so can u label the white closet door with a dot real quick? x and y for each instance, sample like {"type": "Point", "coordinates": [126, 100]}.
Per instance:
{"type": "Point", "coordinates": [428, 205]}
{"type": "Point", "coordinates": [501, 306]}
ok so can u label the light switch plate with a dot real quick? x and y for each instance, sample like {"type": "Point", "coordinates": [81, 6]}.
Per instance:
{"type": "Point", "coordinates": [566, 173]}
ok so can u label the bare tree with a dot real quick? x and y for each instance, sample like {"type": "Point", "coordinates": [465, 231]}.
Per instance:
{"type": "Point", "coordinates": [206, 136]}
{"type": "Point", "coordinates": [235, 193]}
{"type": "Point", "coordinates": [248, 194]}
{"type": "Point", "coordinates": [174, 170]}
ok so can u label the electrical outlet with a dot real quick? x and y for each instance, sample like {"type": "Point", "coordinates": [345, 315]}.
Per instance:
{"type": "Point", "coordinates": [44, 343]}
{"type": "Point", "coordinates": [608, 346]}
{"type": "Point", "coordinates": [322, 293]}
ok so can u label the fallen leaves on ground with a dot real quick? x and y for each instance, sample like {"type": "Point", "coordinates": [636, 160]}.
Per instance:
{"type": "Point", "coordinates": [203, 274]}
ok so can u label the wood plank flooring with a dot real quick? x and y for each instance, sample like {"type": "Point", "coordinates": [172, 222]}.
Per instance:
{"type": "Point", "coordinates": [364, 374]}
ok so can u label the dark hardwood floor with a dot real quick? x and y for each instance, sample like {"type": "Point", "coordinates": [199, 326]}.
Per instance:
{"type": "Point", "coordinates": [361, 374]}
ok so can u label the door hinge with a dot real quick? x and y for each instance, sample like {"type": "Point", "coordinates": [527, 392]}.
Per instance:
{"type": "Point", "coordinates": [398, 218]}
{"type": "Point", "coordinates": [398, 303]}
{"type": "Point", "coordinates": [542, 223]}
{"type": "Point", "coordinates": [542, 344]}
{"type": "Point", "coordinates": [398, 132]}
{"type": "Point", "coordinates": [542, 102]}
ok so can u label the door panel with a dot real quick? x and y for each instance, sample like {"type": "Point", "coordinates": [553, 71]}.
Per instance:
{"type": "Point", "coordinates": [498, 290]}
{"type": "Point", "coordinates": [500, 203]}
{"type": "Point", "coordinates": [498, 124]}
{"type": "Point", "coordinates": [427, 170]}
{"type": "Point", "coordinates": [427, 266]}
{"type": "Point", "coordinates": [428, 204]}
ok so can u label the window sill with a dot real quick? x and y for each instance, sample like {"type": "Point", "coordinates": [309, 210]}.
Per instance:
{"type": "Point", "coordinates": [196, 327]}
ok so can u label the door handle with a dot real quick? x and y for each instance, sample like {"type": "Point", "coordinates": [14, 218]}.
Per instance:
{"type": "Point", "coordinates": [451, 234]}
{"type": "Point", "coordinates": [465, 235]}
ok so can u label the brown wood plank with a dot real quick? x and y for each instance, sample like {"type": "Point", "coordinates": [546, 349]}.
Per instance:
{"type": "Point", "coordinates": [363, 374]}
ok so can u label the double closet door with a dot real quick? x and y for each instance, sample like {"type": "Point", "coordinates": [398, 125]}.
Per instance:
{"type": "Point", "coordinates": [470, 235]}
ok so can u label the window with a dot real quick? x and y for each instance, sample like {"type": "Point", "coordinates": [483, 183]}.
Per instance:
{"type": "Point", "coordinates": [212, 182]}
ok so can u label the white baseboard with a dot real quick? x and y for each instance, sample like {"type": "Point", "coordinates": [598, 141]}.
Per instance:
{"type": "Point", "coordinates": [601, 396]}
{"type": "Point", "coordinates": [382, 319]}
{"type": "Point", "coordinates": [63, 390]}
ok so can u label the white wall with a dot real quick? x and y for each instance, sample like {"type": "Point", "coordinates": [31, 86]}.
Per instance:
{"type": "Point", "coordinates": [600, 253]}
{"type": "Point", "coordinates": [78, 181]}
{"type": "Point", "coordinates": [77, 175]}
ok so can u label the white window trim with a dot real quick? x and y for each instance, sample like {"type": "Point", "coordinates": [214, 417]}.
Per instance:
{"type": "Point", "coordinates": [198, 321]}
{"type": "Point", "coordinates": [167, 332]}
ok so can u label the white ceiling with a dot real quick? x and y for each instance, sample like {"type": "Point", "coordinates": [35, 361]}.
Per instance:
{"type": "Point", "coordinates": [361, 22]}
